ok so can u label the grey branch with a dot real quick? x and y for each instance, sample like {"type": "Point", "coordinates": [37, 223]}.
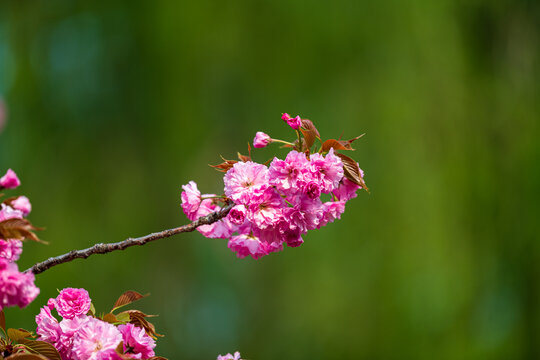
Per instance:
{"type": "Point", "coordinates": [107, 248]}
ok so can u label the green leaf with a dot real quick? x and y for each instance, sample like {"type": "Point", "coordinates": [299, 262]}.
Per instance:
{"type": "Point", "coordinates": [92, 310]}
{"type": "Point", "coordinates": [43, 348]}
{"type": "Point", "coordinates": [123, 317]}
{"type": "Point", "coordinates": [17, 334]}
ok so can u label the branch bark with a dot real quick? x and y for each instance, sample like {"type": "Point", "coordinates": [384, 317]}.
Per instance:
{"type": "Point", "coordinates": [110, 247]}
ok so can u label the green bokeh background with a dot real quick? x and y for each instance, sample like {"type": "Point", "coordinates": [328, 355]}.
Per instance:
{"type": "Point", "coordinates": [113, 105]}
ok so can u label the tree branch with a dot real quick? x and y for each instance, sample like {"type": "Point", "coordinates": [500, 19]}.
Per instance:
{"type": "Point", "coordinates": [107, 248]}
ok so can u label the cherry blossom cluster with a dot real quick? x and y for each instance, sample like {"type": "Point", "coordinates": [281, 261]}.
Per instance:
{"type": "Point", "coordinates": [80, 335]}
{"type": "Point", "coordinates": [277, 204]}
{"type": "Point", "coordinates": [16, 288]}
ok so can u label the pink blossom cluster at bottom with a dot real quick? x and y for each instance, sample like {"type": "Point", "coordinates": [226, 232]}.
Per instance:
{"type": "Point", "coordinates": [79, 336]}
{"type": "Point", "coordinates": [274, 205]}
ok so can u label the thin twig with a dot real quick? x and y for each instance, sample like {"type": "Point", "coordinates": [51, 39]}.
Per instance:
{"type": "Point", "coordinates": [107, 248]}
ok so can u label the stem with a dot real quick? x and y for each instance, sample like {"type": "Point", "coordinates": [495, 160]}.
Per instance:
{"type": "Point", "coordinates": [110, 247]}
{"type": "Point", "coordinates": [214, 197]}
{"type": "Point", "coordinates": [299, 141]}
{"type": "Point", "coordinates": [282, 141]}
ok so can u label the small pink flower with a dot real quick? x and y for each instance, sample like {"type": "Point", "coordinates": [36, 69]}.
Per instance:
{"type": "Point", "coordinates": [221, 229]}
{"type": "Point", "coordinates": [266, 209]}
{"type": "Point", "coordinates": [346, 190]}
{"type": "Point", "coordinates": [332, 210]}
{"type": "Point", "coordinates": [72, 302]}
{"type": "Point", "coordinates": [9, 180]}
{"type": "Point", "coordinates": [244, 180]}
{"type": "Point", "coordinates": [305, 215]}
{"type": "Point", "coordinates": [312, 190]}
{"type": "Point", "coordinates": [48, 328]}
{"type": "Point", "coordinates": [10, 249]}
{"type": "Point", "coordinates": [237, 215]}
{"type": "Point", "coordinates": [295, 122]}
{"type": "Point", "coordinates": [328, 170]}
{"type": "Point", "coordinates": [261, 140]}
{"type": "Point", "coordinates": [236, 356]}
{"type": "Point", "coordinates": [7, 212]}
{"type": "Point", "coordinates": [247, 245]}
{"type": "Point", "coordinates": [191, 200]}
{"type": "Point", "coordinates": [16, 288]}
{"type": "Point", "coordinates": [286, 174]}
{"type": "Point", "coordinates": [137, 342]}
{"type": "Point", "coordinates": [22, 204]}
{"type": "Point", "coordinates": [95, 339]}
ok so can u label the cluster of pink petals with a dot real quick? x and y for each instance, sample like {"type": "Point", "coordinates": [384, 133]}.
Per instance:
{"type": "Point", "coordinates": [81, 337]}
{"type": "Point", "coordinates": [9, 180]}
{"type": "Point", "coordinates": [275, 205]}
{"type": "Point", "coordinates": [236, 356]}
{"type": "Point", "coordinates": [16, 288]}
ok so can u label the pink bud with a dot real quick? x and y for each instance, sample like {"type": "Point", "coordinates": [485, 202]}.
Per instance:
{"type": "Point", "coordinates": [285, 117]}
{"type": "Point", "coordinates": [10, 180]}
{"type": "Point", "coordinates": [261, 140]}
{"type": "Point", "coordinates": [295, 123]}
{"type": "Point", "coordinates": [22, 204]}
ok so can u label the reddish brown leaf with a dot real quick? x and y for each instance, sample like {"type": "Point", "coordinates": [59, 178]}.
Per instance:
{"type": "Point", "coordinates": [22, 356]}
{"type": "Point", "coordinates": [127, 298]}
{"type": "Point", "coordinates": [137, 318]}
{"type": "Point", "coordinates": [18, 229]}
{"type": "Point", "coordinates": [243, 158]}
{"type": "Point", "coordinates": [10, 200]}
{"type": "Point", "coordinates": [42, 347]}
{"type": "Point", "coordinates": [351, 171]}
{"type": "Point", "coordinates": [2, 320]}
{"type": "Point", "coordinates": [310, 133]}
{"type": "Point", "coordinates": [336, 144]}
{"type": "Point", "coordinates": [225, 165]}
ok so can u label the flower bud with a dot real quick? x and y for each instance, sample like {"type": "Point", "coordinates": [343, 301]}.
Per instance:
{"type": "Point", "coordinates": [261, 140]}
{"type": "Point", "coordinates": [10, 180]}
{"type": "Point", "coordinates": [22, 204]}
{"type": "Point", "coordinates": [237, 215]}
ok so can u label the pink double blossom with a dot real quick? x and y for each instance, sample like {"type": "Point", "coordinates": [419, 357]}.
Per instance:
{"type": "Point", "coordinates": [244, 180]}
{"type": "Point", "coordinates": [10, 249]}
{"type": "Point", "coordinates": [9, 180]}
{"type": "Point", "coordinates": [16, 288]}
{"type": "Point", "coordinates": [136, 342]}
{"type": "Point", "coordinates": [95, 340]}
{"type": "Point", "coordinates": [236, 356]}
{"type": "Point", "coordinates": [72, 302]}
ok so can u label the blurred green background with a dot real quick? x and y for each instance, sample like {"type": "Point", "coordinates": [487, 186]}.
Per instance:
{"type": "Point", "coordinates": [112, 106]}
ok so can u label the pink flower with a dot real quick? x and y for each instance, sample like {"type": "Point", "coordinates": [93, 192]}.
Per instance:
{"type": "Point", "coordinates": [236, 356]}
{"type": "Point", "coordinates": [305, 215]}
{"type": "Point", "coordinates": [72, 302]}
{"type": "Point", "coordinates": [247, 245]}
{"type": "Point", "coordinates": [285, 174]}
{"type": "Point", "coordinates": [261, 140]}
{"type": "Point", "coordinates": [328, 170]}
{"type": "Point", "coordinates": [95, 339]}
{"type": "Point", "coordinates": [191, 200]}
{"type": "Point", "coordinates": [16, 288]}
{"type": "Point", "coordinates": [332, 210]}
{"type": "Point", "coordinates": [292, 237]}
{"type": "Point", "coordinates": [237, 215]}
{"type": "Point", "coordinates": [10, 249]}
{"type": "Point", "coordinates": [9, 180]}
{"type": "Point", "coordinates": [22, 204]}
{"type": "Point", "coordinates": [137, 342]}
{"type": "Point", "coordinates": [265, 209]}
{"type": "Point", "coordinates": [7, 212]}
{"type": "Point", "coordinates": [346, 190]}
{"type": "Point", "coordinates": [70, 328]}
{"type": "Point", "coordinates": [218, 230]}
{"type": "Point", "coordinates": [312, 190]}
{"type": "Point", "coordinates": [48, 328]}
{"type": "Point", "coordinates": [295, 122]}
{"type": "Point", "coordinates": [244, 180]}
